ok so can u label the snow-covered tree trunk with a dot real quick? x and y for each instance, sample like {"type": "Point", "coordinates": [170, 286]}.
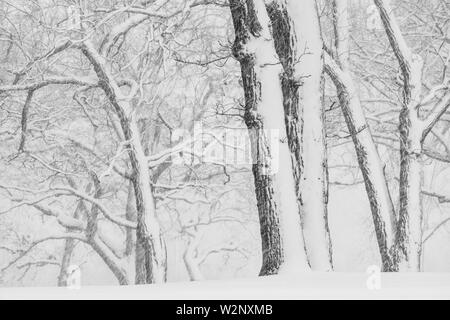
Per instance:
{"type": "Point", "coordinates": [370, 164]}
{"type": "Point", "coordinates": [369, 161]}
{"type": "Point", "coordinates": [150, 246]}
{"type": "Point", "coordinates": [298, 43]}
{"type": "Point", "coordinates": [282, 238]}
{"type": "Point", "coordinates": [409, 229]}
{"type": "Point", "coordinates": [69, 246]}
{"type": "Point", "coordinates": [411, 181]}
{"type": "Point", "coordinates": [413, 131]}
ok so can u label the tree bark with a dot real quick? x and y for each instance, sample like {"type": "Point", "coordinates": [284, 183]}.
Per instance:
{"type": "Point", "coordinates": [411, 130]}
{"type": "Point", "coordinates": [278, 207]}
{"type": "Point", "coordinates": [298, 43]}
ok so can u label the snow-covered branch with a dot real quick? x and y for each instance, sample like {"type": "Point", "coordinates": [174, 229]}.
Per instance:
{"type": "Point", "coordinates": [398, 43]}
{"type": "Point", "coordinates": [23, 253]}
{"type": "Point", "coordinates": [33, 86]}
{"type": "Point", "coordinates": [436, 114]}
{"type": "Point", "coordinates": [113, 218]}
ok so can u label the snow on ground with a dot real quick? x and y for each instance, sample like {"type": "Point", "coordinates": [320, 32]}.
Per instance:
{"type": "Point", "coordinates": [308, 286]}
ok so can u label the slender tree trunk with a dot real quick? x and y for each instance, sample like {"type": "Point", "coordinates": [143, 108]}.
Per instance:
{"type": "Point", "coordinates": [150, 246]}
{"type": "Point", "coordinates": [130, 214]}
{"type": "Point", "coordinates": [411, 181]}
{"type": "Point", "coordinates": [69, 244]}
{"type": "Point", "coordinates": [412, 133]}
{"type": "Point", "coordinates": [69, 247]}
{"type": "Point", "coordinates": [282, 239]}
{"type": "Point", "coordinates": [369, 161]}
{"type": "Point", "coordinates": [192, 267]}
{"type": "Point", "coordinates": [370, 164]}
{"type": "Point", "coordinates": [299, 45]}
{"type": "Point", "coordinates": [191, 261]}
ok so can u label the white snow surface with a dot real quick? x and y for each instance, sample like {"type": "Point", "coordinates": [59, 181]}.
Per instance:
{"type": "Point", "coordinates": [306, 286]}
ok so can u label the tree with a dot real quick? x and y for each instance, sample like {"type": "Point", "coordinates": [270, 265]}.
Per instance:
{"type": "Point", "coordinates": [337, 62]}
{"type": "Point", "coordinates": [283, 248]}
{"type": "Point", "coordinates": [298, 42]}
{"type": "Point", "coordinates": [413, 130]}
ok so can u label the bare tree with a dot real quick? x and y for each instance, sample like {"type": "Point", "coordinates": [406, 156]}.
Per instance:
{"type": "Point", "coordinates": [299, 46]}
{"type": "Point", "coordinates": [283, 247]}
{"type": "Point", "coordinates": [413, 130]}
{"type": "Point", "coordinates": [370, 164]}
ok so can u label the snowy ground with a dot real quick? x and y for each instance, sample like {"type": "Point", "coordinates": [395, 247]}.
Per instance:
{"type": "Point", "coordinates": [308, 286]}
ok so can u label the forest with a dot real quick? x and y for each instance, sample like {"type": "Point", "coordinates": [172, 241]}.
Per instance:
{"type": "Point", "coordinates": [153, 141]}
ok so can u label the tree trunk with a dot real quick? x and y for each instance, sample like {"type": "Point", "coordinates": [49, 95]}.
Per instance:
{"type": "Point", "coordinates": [412, 133]}
{"type": "Point", "coordinates": [370, 164]}
{"type": "Point", "coordinates": [150, 246]}
{"type": "Point", "coordinates": [282, 238]}
{"type": "Point", "coordinates": [69, 247]}
{"type": "Point", "coordinates": [369, 161]}
{"type": "Point", "coordinates": [299, 45]}
{"type": "Point", "coordinates": [130, 214]}
{"type": "Point", "coordinates": [190, 259]}
{"type": "Point", "coordinates": [192, 267]}
{"type": "Point", "coordinates": [409, 231]}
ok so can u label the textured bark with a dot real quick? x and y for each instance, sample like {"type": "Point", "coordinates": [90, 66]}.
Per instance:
{"type": "Point", "coordinates": [269, 223]}
{"type": "Point", "coordinates": [410, 222]}
{"type": "Point", "coordinates": [267, 207]}
{"type": "Point", "coordinates": [282, 239]}
{"type": "Point", "coordinates": [299, 46]}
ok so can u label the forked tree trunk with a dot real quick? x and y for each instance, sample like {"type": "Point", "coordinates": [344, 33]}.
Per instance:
{"type": "Point", "coordinates": [150, 247]}
{"type": "Point", "coordinates": [278, 207]}
{"type": "Point", "coordinates": [298, 43]}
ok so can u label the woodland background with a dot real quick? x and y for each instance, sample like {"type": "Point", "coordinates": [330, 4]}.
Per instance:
{"type": "Point", "coordinates": [67, 200]}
